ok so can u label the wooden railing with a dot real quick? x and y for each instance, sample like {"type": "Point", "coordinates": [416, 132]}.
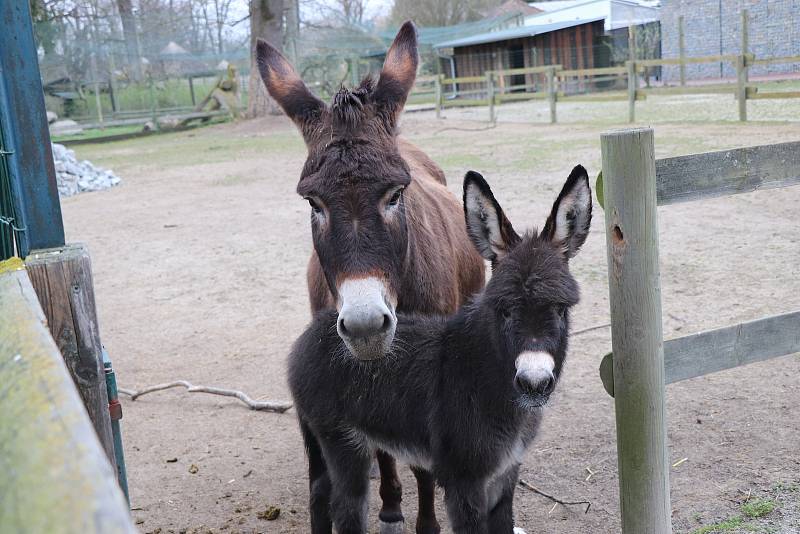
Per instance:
{"type": "Point", "coordinates": [54, 473]}
{"type": "Point", "coordinates": [641, 363]}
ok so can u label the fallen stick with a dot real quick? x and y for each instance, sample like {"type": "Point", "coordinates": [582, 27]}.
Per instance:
{"type": "Point", "coordinates": [534, 489]}
{"type": "Point", "coordinates": [584, 330]}
{"type": "Point", "coordinates": [268, 406]}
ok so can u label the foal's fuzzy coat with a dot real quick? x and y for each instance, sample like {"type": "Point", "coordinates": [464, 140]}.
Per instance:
{"type": "Point", "coordinates": [458, 397]}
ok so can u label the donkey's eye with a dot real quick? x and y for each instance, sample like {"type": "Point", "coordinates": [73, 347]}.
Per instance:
{"type": "Point", "coordinates": [506, 314]}
{"type": "Point", "coordinates": [314, 206]}
{"type": "Point", "coordinates": [395, 199]}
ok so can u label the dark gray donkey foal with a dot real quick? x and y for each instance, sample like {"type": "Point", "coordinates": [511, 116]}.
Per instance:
{"type": "Point", "coordinates": [457, 397]}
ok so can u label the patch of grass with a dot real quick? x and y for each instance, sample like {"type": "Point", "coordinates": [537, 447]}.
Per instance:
{"type": "Point", "coordinates": [758, 507]}
{"type": "Point", "coordinates": [787, 486]}
{"type": "Point", "coordinates": [723, 526]}
{"type": "Point", "coordinates": [187, 148]}
{"type": "Point", "coordinates": [97, 133]}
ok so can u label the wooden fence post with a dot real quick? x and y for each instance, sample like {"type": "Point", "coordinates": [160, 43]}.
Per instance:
{"type": "Point", "coordinates": [629, 185]}
{"type": "Point", "coordinates": [438, 95]}
{"type": "Point", "coordinates": [682, 50]}
{"type": "Point", "coordinates": [53, 477]}
{"type": "Point", "coordinates": [490, 95]}
{"type": "Point", "coordinates": [62, 278]}
{"type": "Point", "coordinates": [551, 93]}
{"type": "Point", "coordinates": [741, 70]}
{"type": "Point", "coordinates": [633, 84]}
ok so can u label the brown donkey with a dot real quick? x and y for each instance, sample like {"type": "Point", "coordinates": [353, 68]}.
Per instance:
{"type": "Point", "coordinates": [388, 235]}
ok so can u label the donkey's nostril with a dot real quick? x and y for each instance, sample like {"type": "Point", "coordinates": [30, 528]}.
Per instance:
{"type": "Point", "coordinates": [342, 328]}
{"type": "Point", "coordinates": [387, 322]}
{"type": "Point", "coordinates": [546, 386]}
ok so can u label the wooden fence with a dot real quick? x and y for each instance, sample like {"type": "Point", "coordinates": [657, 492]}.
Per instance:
{"type": "Point", "coordinates": [641, 364]}
{"type": "Point", "coordinates": [551, 82]}
{"type": "Point", "coordinates": [54, 473]}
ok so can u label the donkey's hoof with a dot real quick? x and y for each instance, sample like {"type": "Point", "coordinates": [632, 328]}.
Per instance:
{"type": "Point", "coordinates": [397, 527]}
{"type": "Point", "coordinates": [518, 530]}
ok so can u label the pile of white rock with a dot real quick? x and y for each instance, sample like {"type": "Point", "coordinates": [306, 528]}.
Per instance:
{"type": "Point", "coordinates": [74, 177]}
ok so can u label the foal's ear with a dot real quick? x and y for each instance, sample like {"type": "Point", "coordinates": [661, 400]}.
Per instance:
{"type": "Point", "coordinates": [568, 223]}
{"type": "Point", "coordinates": [285, 86]}
{"type": "Point", "coordinates": [488, 227]}
{"type": "Point", "coordinates": [398, 74]}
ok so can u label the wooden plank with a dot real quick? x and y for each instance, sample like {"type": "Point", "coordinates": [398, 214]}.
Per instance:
{"type": "Point", "coordinates": [490, 96]}
{"type": "Point", "coordinates": [552, 89]}
{"type": "Point", "coordinates": [629, 191]}
{"type": "Point", "coordinates": [681, 50]}
{"type": "Point", "coordinates": [512, 97]}
{"type": "Point", "coordinates": [633, 89]}
{"type": "Point", "coordinates": [596, 97]}
{"type": "Point", "coordinates": [741, 84]}
{"type": "Point", "coordinates": [592, 72]}
{"type": "Point", "coordinates": [465, 79]}
{"type": "Point", "coordinates": [728, 172]}
{"type": "Point", "coordinates": [54, 476]}
{"type": "Point", "coordinates": [464, 102]}
{"type": "Point", "coordinates": [691, 89]}
{"type": "Point", "coordinates": [724, 348]}
{"type": "Point", "coordinates": [776, 95]}
{"type": "Point", "coordinates": [525, 70]}
{"type": "Point", "coordinates": [771, 60]}
{"type": "Point", "coordinates": [63, 281]}
{"type": "Point", "coordinates": [686, 60]}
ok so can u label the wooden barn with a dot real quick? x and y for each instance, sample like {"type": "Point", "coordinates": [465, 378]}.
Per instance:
{"type": "Point", "coordinates": [574, 44]}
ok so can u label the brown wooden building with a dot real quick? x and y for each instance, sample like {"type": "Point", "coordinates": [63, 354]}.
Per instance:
{"type": "Point", "coordinates": [575, 44]}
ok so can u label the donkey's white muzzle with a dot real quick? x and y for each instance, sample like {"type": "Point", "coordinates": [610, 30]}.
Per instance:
{"type": "Point", "coordinates": [534, 376]}
{"type": "Point", "coordinates": [367, 320]}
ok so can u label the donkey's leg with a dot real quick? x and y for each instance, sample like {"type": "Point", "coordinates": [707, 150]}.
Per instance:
{"type": "Point", "coordinates": [465, 500]}
{"type": "Point", "coordinates": [391, 491]}
{"type": "Point", "coordinates": [348, 468]}
{"type": "Point", "coordinates": [426, 516]}
{"type": "Point", "coordinates": [501, 502]}
{"type": "Point", "coordinates": [319, 484]}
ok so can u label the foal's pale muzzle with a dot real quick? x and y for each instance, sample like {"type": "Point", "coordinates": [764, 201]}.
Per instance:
{"type": "Point", "coordinates": [534, 378]}
{"type": "Point", "coordinates": [367, 319]}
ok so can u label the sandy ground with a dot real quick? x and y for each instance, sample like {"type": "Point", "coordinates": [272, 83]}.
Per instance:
{"type": "Point", "coordinates": [199, 261]}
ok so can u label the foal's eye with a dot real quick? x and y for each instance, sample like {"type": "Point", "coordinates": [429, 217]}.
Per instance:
{"type": "Point", "coordinates": [395, 199]}
{"type": "Point", "coordinates": [506, 314]}
{"type": "Point", "coordinates": [314, 206]}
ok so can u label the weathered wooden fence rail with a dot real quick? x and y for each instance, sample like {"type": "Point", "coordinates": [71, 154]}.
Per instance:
{"type": "Point", "coordinates": [641, 363]}
{"type": "Point", "coordinates": [54, 474]}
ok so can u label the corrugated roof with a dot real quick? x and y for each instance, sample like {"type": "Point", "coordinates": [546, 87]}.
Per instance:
{"type": "Point", "coordinates": [514, 33]}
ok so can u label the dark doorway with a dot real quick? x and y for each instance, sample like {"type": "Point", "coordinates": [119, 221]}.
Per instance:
{"type": "Point", "coordinates": [516, 60]}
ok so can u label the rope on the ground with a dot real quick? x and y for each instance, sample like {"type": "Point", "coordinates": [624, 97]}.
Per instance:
{"type": "Point", "coordinates": [267, 406]}
{"type": "Point", "coordinates": [534, 489]}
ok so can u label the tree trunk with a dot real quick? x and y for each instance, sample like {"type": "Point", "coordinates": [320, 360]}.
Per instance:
{"type": "Point", "coordinates": [125, 8]}
{"type": "Point", "coordinates": [266, 22]}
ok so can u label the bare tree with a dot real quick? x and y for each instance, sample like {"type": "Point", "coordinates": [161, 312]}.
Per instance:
{"type": "Point", "coordinates": [266, 22]}
{"type": "Point", "coordinates": [342, 11]}
{"type": "Point", "coordinates": [440, 12]}
{"type": "Point", "coordinates": [125, 8]}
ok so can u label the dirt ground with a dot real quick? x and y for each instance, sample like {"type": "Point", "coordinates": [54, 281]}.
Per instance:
{"type": "Point", "coordinates": [199, 261]}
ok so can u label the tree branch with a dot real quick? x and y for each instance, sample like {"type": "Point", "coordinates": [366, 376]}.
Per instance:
{"type": "Point", "coordinates": [268, 406]}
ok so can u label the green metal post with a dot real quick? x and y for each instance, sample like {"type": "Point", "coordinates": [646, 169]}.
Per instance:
{"type": "Point", "coordinates": [115, 410]}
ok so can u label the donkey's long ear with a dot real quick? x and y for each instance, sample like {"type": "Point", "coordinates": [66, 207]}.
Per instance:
{"type": "Point", "coordinates": [398, 74]}
{"type": "Point", "coordinates": [568, 223]}
{"type": "Point", "coordinates": [285, 86]}
{"type": "Point", "coordinates": [487, 225]}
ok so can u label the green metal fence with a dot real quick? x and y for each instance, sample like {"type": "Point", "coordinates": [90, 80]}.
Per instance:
{"type": "Point", "coordinates": [7, 219]}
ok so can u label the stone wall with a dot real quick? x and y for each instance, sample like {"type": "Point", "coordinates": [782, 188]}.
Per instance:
{"type": "Point", "coordinates": [713, 27]}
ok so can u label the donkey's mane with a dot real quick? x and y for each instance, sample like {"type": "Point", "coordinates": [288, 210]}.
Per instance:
{"type": "Point", "coordinates": [348, 107]}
